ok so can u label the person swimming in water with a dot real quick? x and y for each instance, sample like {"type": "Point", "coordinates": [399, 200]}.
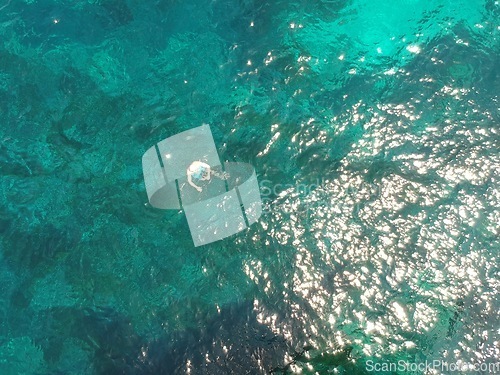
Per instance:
{"type": "Point", "coordinates": [200, 171]}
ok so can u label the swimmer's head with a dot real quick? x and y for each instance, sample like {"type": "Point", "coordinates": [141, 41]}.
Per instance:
{"type": "Point", "coordinates": [199, 170]}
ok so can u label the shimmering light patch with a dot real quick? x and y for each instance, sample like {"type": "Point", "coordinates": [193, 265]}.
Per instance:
{"type": "Point", "coordinates": [268, 146]}
{"type": "Point", "coordinates": [413, 48]}
{"type": "Point", "coordinates": [418, 239]}
{"type": "Point", "coordinates": [269, 58]}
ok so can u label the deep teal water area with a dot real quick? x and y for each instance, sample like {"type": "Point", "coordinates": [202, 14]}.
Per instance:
{"type": "Point", "coordinates": [374, 130]}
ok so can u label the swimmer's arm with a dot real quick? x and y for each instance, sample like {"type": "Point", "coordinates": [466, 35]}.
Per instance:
{"type": "Point", "coordinates": [190, 181]}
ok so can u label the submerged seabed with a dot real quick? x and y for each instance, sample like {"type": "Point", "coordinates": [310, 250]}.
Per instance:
{"type": "Point", "coordinates": [373, 126]}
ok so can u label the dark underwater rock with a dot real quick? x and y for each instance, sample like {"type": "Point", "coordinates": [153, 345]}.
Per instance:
{"type": "Point", "coordinates": [40, 245]}
{"type": "Point", "coordinates": [233, 342]}
{"type": "Point", "coordinates": [118, 11]}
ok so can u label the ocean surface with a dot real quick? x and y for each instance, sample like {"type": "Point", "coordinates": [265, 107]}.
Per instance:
{"type": "Point", "coordinates": [373, 127]}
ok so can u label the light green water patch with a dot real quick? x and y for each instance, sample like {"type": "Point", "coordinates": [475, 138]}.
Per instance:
{"type": "Point", "coordinates": [376, 36]}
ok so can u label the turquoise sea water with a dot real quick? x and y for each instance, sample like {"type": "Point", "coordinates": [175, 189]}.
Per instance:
{"type": "Point", "coordinates": [373, 127]}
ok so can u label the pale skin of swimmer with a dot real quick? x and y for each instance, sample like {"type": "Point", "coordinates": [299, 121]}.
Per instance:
{"type": "Point", "coordinates": [201, 171]}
